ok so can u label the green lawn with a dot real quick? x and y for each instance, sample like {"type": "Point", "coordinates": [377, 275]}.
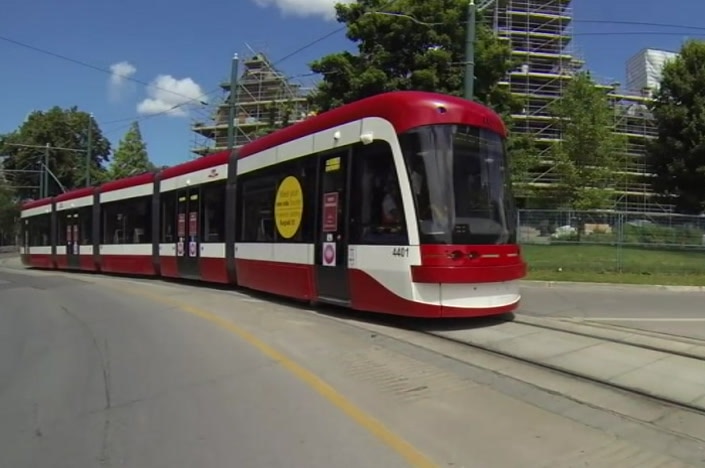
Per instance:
{"type": "Point", "coordinates": [612, 264]}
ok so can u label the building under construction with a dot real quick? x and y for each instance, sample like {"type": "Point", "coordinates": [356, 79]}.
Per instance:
{"type": "Point", "coordinates": [540, 35]}
{"type": "Point", "coordinates": [265, 100]}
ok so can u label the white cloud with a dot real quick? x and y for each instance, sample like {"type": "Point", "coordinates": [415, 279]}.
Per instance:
{"type": "Point", "coordinates": [118, 82]}
{"type": "Point", "coordinates": [324, 8]}
{"type": "Point", "coordinates": [171, 96]}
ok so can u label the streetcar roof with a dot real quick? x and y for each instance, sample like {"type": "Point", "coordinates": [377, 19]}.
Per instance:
{"type": "Point", "coordinates": [212, 160]}
{"type": "Point", "coordinates": [405, 110]}
{"type": "Point", "coordinates": [36, 203]}
{"type": "Point", "coordinates": [133, 181]}
{"type": "Point", "coordinates": [74, 194]}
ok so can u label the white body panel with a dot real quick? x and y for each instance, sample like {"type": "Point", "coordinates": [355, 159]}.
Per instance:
{"type": "Point", "coordinates": [286, 253]}
{"type": "Point", "coordinates": [211, 174]}
{"type": "Point", "coordinates": [215, 250]}
{"type": "Point", "coordinates": [127, 192]}
{"type": "Point", "coordinates": [39, 210]}
{"type": "Point", "coordinates": [39, 250]}
{"type": "Point", "coordinates": [83, 249]}
{"type": "Point", "coordinates": [126, 249]}
{"type": "Point", "coordinates": [75, 203]}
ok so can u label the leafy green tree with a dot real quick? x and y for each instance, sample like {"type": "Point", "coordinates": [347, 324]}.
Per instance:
{"type": "Point", "coordinates": [66, 132]}
{"type": "Point", "coordinates": [279, 115]}
{"type": "Point", "coordinates": [422, 49]}
{"type": "Point", "coordinates": [131, 156]}
{"type": "Point", "coordinates": [9, 213]}
{"type": "Point", "coordinates": [522, 150]}
{"type": "Point", "coordinates": [590, 159]}
{"type": "Point", "coordinates": [677, 155]}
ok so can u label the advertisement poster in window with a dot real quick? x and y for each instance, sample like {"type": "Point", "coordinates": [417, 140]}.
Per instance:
{"type": "Point", "coordinates": [181, 225]}
{"type": "Point", "coordinates": [289, 207]}
{"type": "Point", "coordinates": [75, 239]}
{"type": "Point", "coordinates": [330, 212]}
{"type": "Point", "coordinates": [193, 223]}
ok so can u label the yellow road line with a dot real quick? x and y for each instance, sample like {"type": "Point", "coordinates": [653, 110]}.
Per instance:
{"type": "Point", "coordinates": [374, 426]}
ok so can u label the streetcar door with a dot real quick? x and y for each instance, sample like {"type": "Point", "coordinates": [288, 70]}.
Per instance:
{"type": "Point", "coordinates": [187, 233]}
{"type": "Point", "coordinates": [331, 256]}
{"type": "Point", "coordinates": [73, 239]}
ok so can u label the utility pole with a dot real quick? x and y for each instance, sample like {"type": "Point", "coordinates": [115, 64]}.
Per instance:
{"type": "Point", "coordinates": [470, 53]}
{"type": "Point", "coordinates": [41, 181]}
{"type": "Point", "coordinates": [89, 149]}
{"type": "Point", "coordinates": [45, 173]}
{"type": "Point", "coordinates": [231, 190]}
{"type": "Point", "coordinates": [232, 102]}
{"type": "Point", "coordinates": [470, 46]}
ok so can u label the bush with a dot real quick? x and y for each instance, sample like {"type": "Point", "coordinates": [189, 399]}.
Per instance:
{"type": "Point", "coordinates": [655, 234]}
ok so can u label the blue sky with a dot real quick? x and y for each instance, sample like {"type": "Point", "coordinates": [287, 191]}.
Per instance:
{"type": "Point", "coordinates": [188, 48]}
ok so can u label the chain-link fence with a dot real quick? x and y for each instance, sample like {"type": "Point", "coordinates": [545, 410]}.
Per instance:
{"type": "Point", "coordinates": [623, 242]}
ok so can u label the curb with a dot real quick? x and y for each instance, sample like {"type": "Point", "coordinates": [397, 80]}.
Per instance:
{"type": "Point", "coordinates": [686, 348]}
{"type": "Point", "coordinates": [587, 284]}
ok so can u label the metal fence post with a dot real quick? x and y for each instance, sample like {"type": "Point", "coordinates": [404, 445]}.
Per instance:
{"type": "Point", "coordinates": [620, 242]}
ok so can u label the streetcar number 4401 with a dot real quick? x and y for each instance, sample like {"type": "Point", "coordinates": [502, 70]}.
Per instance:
{"type": "Point", "coordinates": [400, 251]}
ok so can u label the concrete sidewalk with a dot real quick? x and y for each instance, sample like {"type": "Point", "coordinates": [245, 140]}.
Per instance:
{"type": "Point", "coordinates": [652, 309]}
{"type": "Point", "coordinates": [658, 373]}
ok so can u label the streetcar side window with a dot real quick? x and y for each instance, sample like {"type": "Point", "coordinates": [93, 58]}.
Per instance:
{"type": "Point", "coordinates": [85, 217]}
{"type": "Point", "coordinates": [39, 230]}
{"type": "Point", "coordinates": [213, 213]}
{"type": "Point", "coordinates": [258, 191]}
{"type": "Point", "coordinates": [257, 220]}
{"type": "Point", "coordinates": [128, 221]}
{"type": "Point", "coordinates": [62, 220]}
{"type": "Point", "coordinates": [377, 216]}
{"type": "Point", "coordinates": [168, 215]}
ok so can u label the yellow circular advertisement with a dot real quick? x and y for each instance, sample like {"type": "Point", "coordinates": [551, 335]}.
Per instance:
{"type": "Point", "coordinates": [289, 207]}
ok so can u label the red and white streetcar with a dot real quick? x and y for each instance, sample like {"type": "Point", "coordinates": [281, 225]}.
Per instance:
{"type": "Point", "coordinates": [399, 203]}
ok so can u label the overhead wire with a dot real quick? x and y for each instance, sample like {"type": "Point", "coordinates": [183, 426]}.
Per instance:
{"type": "Point", "coordinates": [275, 63]}
{"type": "Point", "coordinates": [87, 65]}
{"type": "Point", "coordinates": [639, 23]}
{"type": "Point", "coordinates": [190, 99]}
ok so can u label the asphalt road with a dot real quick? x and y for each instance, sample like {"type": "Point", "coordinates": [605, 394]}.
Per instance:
{"type": "Point", "coordinates": [679, 313]}
{"type": "Point", "coordinates": [99, 371]}
{"type": "Point", "coordinates": [91, 377]}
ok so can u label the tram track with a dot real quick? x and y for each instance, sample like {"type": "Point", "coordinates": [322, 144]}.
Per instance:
{"type": "Point", "coordinates": [514, 373]}
{"type": "Point", "coordinates": [654, 341]}
{"type": "Point", "coordinates": [665, 337]}
{"type": "Point", "coordinates": [662, 394]}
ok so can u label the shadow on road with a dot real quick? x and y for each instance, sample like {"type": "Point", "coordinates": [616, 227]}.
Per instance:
{"type": "Point", "coordinates": [338, 312]}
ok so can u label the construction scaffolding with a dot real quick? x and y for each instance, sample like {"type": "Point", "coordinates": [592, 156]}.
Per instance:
{"type": "Point", "coordinates": [539, 32]}
{"type": "Point", "coordinates": [266, 99]}
{"type": "Point", "coordinates": [634, 121]}
{"type": "Point", "coordinates": [540, 35]}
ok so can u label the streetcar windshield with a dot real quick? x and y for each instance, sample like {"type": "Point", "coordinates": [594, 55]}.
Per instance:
{"type": "Point", "coordinates": [461, 185]}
